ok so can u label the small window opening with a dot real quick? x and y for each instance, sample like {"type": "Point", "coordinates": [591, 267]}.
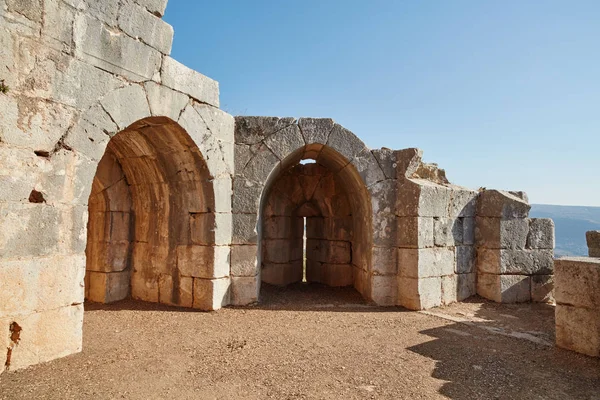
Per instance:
{"type": "Point", "coordinates": [304, 252]}
{"type": "Point", "coordinates": [308, 161]}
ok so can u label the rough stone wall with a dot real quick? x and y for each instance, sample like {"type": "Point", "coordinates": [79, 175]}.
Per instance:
{"type": "Point", "coordinates": [514, 253]}
{"type": "Point", "coordinates": [593, 243]}
{"type": "Point", "coordinates": [78, 73]}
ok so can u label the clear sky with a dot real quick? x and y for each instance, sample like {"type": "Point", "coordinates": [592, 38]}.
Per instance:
{"type": "Point", "coordinates": [501, 94]}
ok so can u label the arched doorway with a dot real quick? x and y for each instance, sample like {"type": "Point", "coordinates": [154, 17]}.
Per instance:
{"type": "Point", "coordinates": [151, 230]}
{"type": "Point", "coordinates": [315, 222]}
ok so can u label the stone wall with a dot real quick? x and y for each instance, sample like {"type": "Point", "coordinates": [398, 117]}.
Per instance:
{"type": "Point", "coordinates": [514, 253]}
{"type": "Point", "coordinates": [86, 76]}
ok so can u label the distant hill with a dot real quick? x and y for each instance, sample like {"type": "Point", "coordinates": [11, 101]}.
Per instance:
{"type": "Point", "coordinates": [572, 222]}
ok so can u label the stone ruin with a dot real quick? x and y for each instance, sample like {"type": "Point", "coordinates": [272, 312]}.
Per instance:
{"type": "Point", "coordinates": [121, 177]}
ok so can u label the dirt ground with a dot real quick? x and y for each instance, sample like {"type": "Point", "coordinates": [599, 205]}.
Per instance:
{"type": "Point", "coordinates": [312, 342]}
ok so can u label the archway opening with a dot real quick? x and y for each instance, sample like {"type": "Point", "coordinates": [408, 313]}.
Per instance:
{"type": "Point", "coordinates": [315, 223]}
{"type": "Point", "coordinates": [151, 218]}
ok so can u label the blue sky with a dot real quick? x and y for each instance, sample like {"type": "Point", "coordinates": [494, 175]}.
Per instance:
{"type": "Point", "coordinates": [501, 94]}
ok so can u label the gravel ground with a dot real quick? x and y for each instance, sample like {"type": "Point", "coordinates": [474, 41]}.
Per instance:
{"type": "Point", "coordinates": [312, 342]}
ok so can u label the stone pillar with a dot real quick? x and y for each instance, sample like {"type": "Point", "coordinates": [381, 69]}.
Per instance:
{"type": "Point", "coordinates": [593, 243]}
{"type": "Point", "coordinates": [578, 304]}
{"type": "Point", "coordinates": [514, 253]}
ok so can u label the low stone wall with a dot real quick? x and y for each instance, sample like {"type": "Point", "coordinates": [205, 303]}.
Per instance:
{"type": "Point", "coordinates": [577, 296]}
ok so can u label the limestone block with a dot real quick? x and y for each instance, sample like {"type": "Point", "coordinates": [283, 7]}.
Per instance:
{"type": "Point", "coordinates": [504, 288]}
{"type": "Point", "coordinates": [29, 230]}
{"type": "Point", "coordinates": [107, 256]}
{"type": "Point", "coordinates": [466, 286]}
{"type": "Point", "coordinates": [447, 232]}
{"type": "Point", "coordinates": [175, 290]}
{"type": "Point", "coordinates": [106, 11]}
{"type": "Point", "coordinates": [463, 202]}
{"type": "Point", "coordinates": [260, 165]}
{"type": "Point", "coordinates": [142, 25]}
{"type": "Point", "coordinates": [524, 262]}
{"type": "Point", "coordinates": [468, 236]}
{"type": "Point", "coordinates": [449, 289]}
{"type": "Point", "coordinates": [345, 142]}
{"type": "Point", "coordinates": [220, 124]}
{"type": "Point", "coordinates": [183, 79]}
{"type": "Point", "coordinates": [329, 251]}
{"type": "Point", "coordinates": [114, 51]}
{"type": "Point", "coordinates": [315, 130]}
{"type": "Point", "coordinates": [407, 198]}
{"type": "Point", "coordinates": [338, 228]}
{"type": "Point", "coordinates": [419, 294]}
{"type": "Point", "coordinates": [383, 196]}
{"type": "Point", "coordinates": [384, 290]}
{"type": "Point", "coordinates": [282, 274]}
{"type": "Point", "coordinates": [386, 158]}
{"type": "Point", "coordinates": [210, 228]}
{"type": "Point", "coordinates": [47, 335]}
{"type": "Point", "coordinates": [497, 233]}
{"type": "Point", "coordinates": [211, 294]}
{"type": "Point", "coordinates": [243, 261]}
{"type": "Point", "coordinates": [385, 261]}
{"type": "Point", "coordinates": [501, 204]}
{"type": "Point", "coordinates": [542, 288]}
{"type": "Point", "coordinates": [30, 9]}
{"type": "Point", "coordinates": [277, 227]}
{"type": "Point", "coordinates": [223, 192]}
{"type": "Point", "coordinates": [385, 228]}
{"type": "Point", "coordinates": [465, 259]}
{"type": "Point", "coordinates": [58, 23]}
{"type": "Point", "coordinates": [126, 105]}
{"type": "Point", "coordinates": [244, 229]}
{"type": "Point", "coordinates": [253, 130]}
{"type": "Point", "coordinates": [578, 329]}
{"type": "Point", "coordinates": [165, 102]}
{"type": "Point", "coordinates": [276, 250]}
{"type": "Point", "coordinates": [108, 287]}
{"type": "Point", "coordinates": [285, 141]}
{"type": "Point", "coordinates": [205, 262]}
{"type": "Point", "coordinates": [541, 234]}
{"type": "Point", "coordinates": [577, 282]}
{"type": "Point", "coordinates": [368, 168]}
{"type": "Point", "coordinates": [434, 200]}
{"type": "Point", "coordinates": [144, 286]}
{"type": "Point", "coordinates": [423, 263]}
{"type": "Point", "coordinates": [87, 139]}
{"type": "Point", "coordinates": [593, 243]}
{"type": "Point", "coordinates": [337, 275]}
{"type": "Point", "coordinates": [244, 290]}
{"type": "Point", "coordinates": [156, 7]}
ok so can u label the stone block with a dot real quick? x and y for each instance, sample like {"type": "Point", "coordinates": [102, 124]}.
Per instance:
{"type": "Point", "coordinates": [497, 233]}
{"type": "Point", "coordinates": [578, 329]}
{"type": "Point", "coordinates": [577, 282]}
{"type": "Point", "coordinates": [205, 262]}
{"type": "Point", "coordinates": [463, 202]}
{"type": "Point", "coordinates": [58, 24]}
{"type": "Point", "coordinates": [315, 130]}
{"type": "Point", "coordinates": [108, 287]}
{"type": "Point", "coordinates": [345, 142]}
{"type": "Point", "coordinates": [336, 228]}
{"type": "Point", "coordinates": [165, 102]}
{"type": "Point", "coordinates": [211, 294]}
{"type": "Point", "coordinates": [504, 288]}
{"type": "Point", "coordinates": [541, 234]}
{"type": "Point", "coordinates": [593, 243]}
{"type": "Point", "coordinates": [434, 200]}
{"type": "Point", "coordinates": [386, 158]}
{"type": "Point", "coordinates": [277, 250]}
{"type": "Point", "coordinates": [367, 167]}
{"type": "Point", "coordinates": [282, 274]}
{"type": "Point", "coordinates": [28, 230]}
{"type": "Point", "coordinates": [468, 236]}
{"type": "Point", "coordinates": [176, 290]}
{"type": "Point", "coordinates": [447, 232]}
{"type": "Point", "coordinates": [385, 261]}
{"type": "Point", "coordinates": [244, 229]}
{"type": "Point", "coordinates": [501, 204]}
{"type": "Point", "coordinates": [423, 263]}
{"type": "Point", "coordinates": [518, 262]}
{"type": "Point", "coordinates": [285, 141]}
{"type": "Point", "coordinates": [253, 130]}
{"type": "Point", "coordinates": [466, 286]}
{"type": "Point", "coordinates": [115, 52]}
{"type": "Point", "coordinates": [244, 260]}
{"type": "Point", "coordinates": [384, 290]}
{"type": "Point", "coordinates": [223, 191]}
{"type": "Point", "coordinates": [449, 289]}
{"type": "Point", "coordinates": [465, 259]}
{"type": "Point", "coordinates": [244, 290]}
{"type": "Point", "coordinates": [415, 232]}
{"type": "Point", "coordinates": [277, 227]}
{"type": "Point", "coordinates": [126, 105]}
{"type": "Point", "coordinates": [183, 79]}
{"type": "Point", "coordinates": [246, 196]}
{"type": "Point", "coordinates": [542, 288]}
{"type": "Point", "coordinates": [150, 29]}
{"type": "Point", "coordinates": [144, 286]}
{"type": "Point", "coordinates": [156, 7]}
{"type": "Point", "coordinates": [384, 197]}
{"type": "Point", "coordinates": [419, 293]}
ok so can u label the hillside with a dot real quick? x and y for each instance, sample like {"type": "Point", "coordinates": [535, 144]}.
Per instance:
{"type": "Point", "coordinates": [572, 222]}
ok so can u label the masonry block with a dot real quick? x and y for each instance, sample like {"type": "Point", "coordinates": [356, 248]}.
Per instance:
{"type": "Point", "coordinates": [541, 234]}
{"type": "Point", "coordinates": [524, 262]}
{"type": "Point", "coordinates": [542, 288]}
{"type": "Point", "coordinates": [244, 290]}
{"type": "Point", "coordinates": [211, 294]}
{"type": "Point", "coordinates": [415, 232]}
{"type": "Point", "coordinates": [422, 263]}
{"type": "Point", "coordinates": [498, 233]}
{"type": "Point", "coordinates": [578, 329]}
{"type": "Point", "coordinates": [593, 242]}
{"type": "Point", "coordinates": [504, 288]}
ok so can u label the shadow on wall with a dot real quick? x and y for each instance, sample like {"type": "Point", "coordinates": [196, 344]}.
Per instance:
{"type": "Point", "coordinates": [478, 364]}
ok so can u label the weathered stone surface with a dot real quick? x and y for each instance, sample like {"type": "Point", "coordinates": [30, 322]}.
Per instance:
{"type": "Point", "coordinates": [447, 232]}
{"type": "Point", "coordinates": [419, 293]}
{"type": "Point", "coordinates": [345, 142]}
{"type": "Point", "coordinates": [126, 105]}
{"type": "Point", "coordinates": [449, 289]}
{"type": "Point", "coordinates": [165, 102]}
{"type": "Point", "coordinates": [315, 130]}
{"type": "Point", "coordinates": [504, 288]}
{"type": "Point", "coordinates": [246, 196]}
{"type": "Point", "coordinates": [244, 229]}
{"type": "Point", "coordinates": [415, 232]}
{"type": "Point", "coordinates": [244, 290]}
{"type": "Point", "coordinates": [285, 141]}
{"type": "Point", "coordinates": [434, 200]}
{"type": "Point", "coordinates": [500, 204]}
{"type": "Point", "coordinates": [368, 168]}
{"type": "Point", "coordinates": [387, 160]}
{"type": "Point", "coordinates": [29, 230]}
{"type": "Point", "coordinates": [424, 263]}
{"type": "Point", "coordinates": [469, 227]}
{"type": "Point", "coordinates": [211, 294]}
{"type": "Point", "coordinates": [578, 329]}
{"type": "Point", "coordinates": [96, 44]}
{"type": "Point", "coordinates": [150, 29]}
{"type": "Point", "coordinates": [385, 261]}
{"type": "Point", "coordinates": [541, 234]}
{"type": "Point", "coordinates": [466, 286]}
{"type": "Point", "coordinates": [156, 7]}
{"type": "Point", "coordinates": [244, 260]}
{"type": "Point", "coordinates": [384, 290]}
{"type": "Point", "coordinates": [108, 287]}
{"type": "Point", "coordinates": [465, 259]}
{"type": "Point", "coordinates": [179, 77]}
{"type": "Point", "coordinates": [577, 282]}
{"type": "Point", "coordinates": [593, 243]}
{"type": "Point", "coordinates": [497, 233]}
{"type": "Point", "coordinates": [542, 288]}
{"type": "Point", "coordinates": [282, 274]}
{"type": "Point", "coordinates": [518, 262]}
{"type": "Point", "coordinates": [463, 202]}
{"type": "Point", "coordinates": [205, 262]}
